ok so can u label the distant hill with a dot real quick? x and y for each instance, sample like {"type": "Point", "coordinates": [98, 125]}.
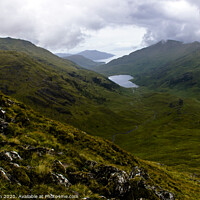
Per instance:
{"type": "Point", "coordinates": [83, 62]}
{"type": "Point", "coordinates": [95, 55]}
{"type": "Point", "coordinates": [172, 65]}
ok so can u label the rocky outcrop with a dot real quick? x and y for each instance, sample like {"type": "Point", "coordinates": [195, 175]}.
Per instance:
{"type": "Point", "coordinates": [140, 185]}
{"type": "Point", "coordinates": [59, 179]}
{"type": "Point", "coordinates": [120, 185]}
{"type": "Point", "coordinates": [3, 122]}
{"type": "Point", "coordinates": [11, 156]}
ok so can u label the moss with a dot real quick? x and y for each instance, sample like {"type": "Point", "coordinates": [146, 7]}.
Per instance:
{"type": "Point", "coordinates": [21, 175]}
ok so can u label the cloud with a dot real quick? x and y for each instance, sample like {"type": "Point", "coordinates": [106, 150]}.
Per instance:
{"type": "Point", "coordinates": [64, 24]}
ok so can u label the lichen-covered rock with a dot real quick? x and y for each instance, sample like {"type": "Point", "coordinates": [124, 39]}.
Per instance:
{"type": "Point", "coordinates": [10, 156]}
{"type": "Point", "coordinates": [60, 180]}
{"type": "Point", "coordinates": [119, 182]}
{"type": "Point", "coordinates": [137, 172]}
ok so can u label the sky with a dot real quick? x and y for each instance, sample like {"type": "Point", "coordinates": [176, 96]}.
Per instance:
{"type": "Point", "coordinates": [113, 26]}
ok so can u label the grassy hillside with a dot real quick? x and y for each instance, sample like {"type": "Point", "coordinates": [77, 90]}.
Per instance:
{"type": "Point", "coordinates": [160, 124]}
{"type": "Point", "coordinates": [40, 156]}
{"type": "Point", "coordinates": [146, 59]}
{"type": "Point", "coordinates": [83, 62]}
{"type": "Point", "coordinates": [56, 87]}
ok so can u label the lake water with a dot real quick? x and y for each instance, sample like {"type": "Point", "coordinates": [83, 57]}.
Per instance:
{"type": "Point", "coordinates": [123, 80]}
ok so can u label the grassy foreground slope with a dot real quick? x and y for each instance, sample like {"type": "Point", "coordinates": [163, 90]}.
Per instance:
{"type": "Point", "coordinates": [40, 156]}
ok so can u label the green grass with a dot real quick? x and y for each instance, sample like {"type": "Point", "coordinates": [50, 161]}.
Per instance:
{"type": "Point", "coordinates": [76, 147]}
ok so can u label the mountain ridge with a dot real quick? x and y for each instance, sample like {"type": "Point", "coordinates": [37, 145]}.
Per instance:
{"type": "Point", "coordinates": [83, 62]}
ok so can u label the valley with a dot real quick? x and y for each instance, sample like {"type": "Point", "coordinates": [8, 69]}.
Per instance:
{"type": "Point", "coordinates": [159, 122]}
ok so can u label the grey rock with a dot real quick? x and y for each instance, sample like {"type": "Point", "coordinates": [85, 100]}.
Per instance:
{"type": "Point", "coordinates": [120, 183]}
{"type": "Point", "coordinates": [61, 180]}
{"type": "Point", "coordinates": [10, 156]}
{"type": "Point", "coordinates": [137, 172]}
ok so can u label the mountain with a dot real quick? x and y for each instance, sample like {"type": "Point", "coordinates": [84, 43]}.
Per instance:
{"type": "Point", "coordinates": [146, 59]}
{"type": "Point", "coordinates": [83, 62]}
{"type": "Point", "coordinates": [169, 65]}
{"type": "Point", "coordinates": [95, 55]}
{"type": "Point", "coordinates": [43, 158]}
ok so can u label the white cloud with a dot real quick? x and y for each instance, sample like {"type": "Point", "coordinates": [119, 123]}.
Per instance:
{"type": "Point", "coordinates": [65, 24]}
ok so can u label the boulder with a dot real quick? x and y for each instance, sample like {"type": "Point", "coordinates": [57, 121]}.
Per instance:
{"type": "Point", "coordinates": [59, 179]}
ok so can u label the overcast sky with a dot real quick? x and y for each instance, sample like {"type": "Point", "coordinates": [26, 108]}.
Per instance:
{"type": "Point", "coordinates": [114, 26]}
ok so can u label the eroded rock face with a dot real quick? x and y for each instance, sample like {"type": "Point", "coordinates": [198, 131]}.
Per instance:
{"type": "Point", "coordinates": [10, 156]}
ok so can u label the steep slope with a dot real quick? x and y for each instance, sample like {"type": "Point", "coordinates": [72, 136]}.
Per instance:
{"type": "Point", "coordinates": [69, 96]}
{"type": "Point", "coordinates": [83, 62]}
{"type": "Point", "coordinates": [95, 55]}
{"type": "Point", "coordinates": [57, 87]}
{"type": "Point", "coordinates": [179, 77]}
{"type": "Point", "coordinates": [43, 157]}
